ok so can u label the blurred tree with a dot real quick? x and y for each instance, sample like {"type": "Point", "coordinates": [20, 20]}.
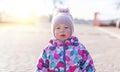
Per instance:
{"type": "Point", "coordinates": [57, 3]}
{"type": "Point", "coordinates": [118, 5]}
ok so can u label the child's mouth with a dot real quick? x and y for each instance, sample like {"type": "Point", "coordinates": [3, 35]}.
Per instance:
{"type": "Point", "coordinates": [62, 35]}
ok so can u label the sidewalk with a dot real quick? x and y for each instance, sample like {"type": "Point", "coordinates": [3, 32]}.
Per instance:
{"type": "Point", "coordinates": [113, 31]}
{"type": "Point", "coordinates": [20, 46]}
{"type": "Point", "coordinates": [104, 46]}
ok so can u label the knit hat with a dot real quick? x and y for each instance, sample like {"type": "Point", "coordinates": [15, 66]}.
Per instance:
{"type": "Point", "coordinates": [62, 18]}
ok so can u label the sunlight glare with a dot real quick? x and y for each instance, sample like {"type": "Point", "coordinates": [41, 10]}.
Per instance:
{"type": "Point", "coordinates": [24, 10]}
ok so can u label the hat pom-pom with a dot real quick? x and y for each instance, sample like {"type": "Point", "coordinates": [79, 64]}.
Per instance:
{"type": "Point", "coordinates": [63, 10]}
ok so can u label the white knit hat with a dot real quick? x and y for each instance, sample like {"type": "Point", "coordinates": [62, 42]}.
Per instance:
{"type": "Point", "coordinates": [62, 18]}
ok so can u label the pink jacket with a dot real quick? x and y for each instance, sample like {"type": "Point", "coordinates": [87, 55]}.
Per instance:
{"type": "Point", "coordinates": [67, 56]}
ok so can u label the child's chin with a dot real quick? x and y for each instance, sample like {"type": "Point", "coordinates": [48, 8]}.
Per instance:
{"type": "Point", "coordinates": [63, 38]}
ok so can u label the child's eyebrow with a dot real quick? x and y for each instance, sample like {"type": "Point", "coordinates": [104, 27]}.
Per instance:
{"type": "Point", "coordinates": [57, 27]}
{"type": "Point", "coordinates": [66, 26]}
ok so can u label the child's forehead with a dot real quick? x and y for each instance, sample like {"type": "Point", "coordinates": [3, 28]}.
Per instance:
{"type": "Point", "coordinates": [58, 25]}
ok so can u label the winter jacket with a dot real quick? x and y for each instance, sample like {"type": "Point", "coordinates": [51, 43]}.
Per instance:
{"type": "Point", "coordinates": [65, 56]}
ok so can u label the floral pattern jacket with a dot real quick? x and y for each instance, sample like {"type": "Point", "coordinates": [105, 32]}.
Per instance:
{"type": "Point", "coordinates": [65, 56]}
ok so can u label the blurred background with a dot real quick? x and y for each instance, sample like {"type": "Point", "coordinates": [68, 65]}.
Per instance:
{"type": "Point", "coordinates": [24, 11]}
{"type": "Point", "coordinates": [25, 30]}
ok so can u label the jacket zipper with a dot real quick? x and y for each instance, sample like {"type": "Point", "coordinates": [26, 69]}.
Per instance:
{"type": "Point", "coordinates": [64, 56]}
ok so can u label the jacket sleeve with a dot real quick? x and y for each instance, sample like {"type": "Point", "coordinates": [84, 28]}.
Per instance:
{"type": "Point", "coordinates": [86, 63]}
{"type": "Point", "coordinates": [43, 63]}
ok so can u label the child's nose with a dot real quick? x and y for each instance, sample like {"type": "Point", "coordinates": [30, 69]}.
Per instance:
{"type": "Point", "coordinates": [62, 30]}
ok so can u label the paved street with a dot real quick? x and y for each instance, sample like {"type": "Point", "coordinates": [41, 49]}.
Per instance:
{"type": "Point", "coordinates": [20, 46]}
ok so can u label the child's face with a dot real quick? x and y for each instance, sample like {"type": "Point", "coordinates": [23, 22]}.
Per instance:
{"type": "Point", "coordinates": [62, 32]}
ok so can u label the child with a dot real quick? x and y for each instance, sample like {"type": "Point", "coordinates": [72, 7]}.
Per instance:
{"type": "Point", "coordinates": [64, 53]}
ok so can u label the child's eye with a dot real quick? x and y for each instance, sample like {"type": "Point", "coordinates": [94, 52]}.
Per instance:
{"type": "Point", "coordinates": [58, 28]}
{"type": "Point", "coordinates": [66, 27]}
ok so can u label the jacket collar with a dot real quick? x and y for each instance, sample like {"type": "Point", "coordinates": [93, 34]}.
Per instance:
{"type": "Point", "coordinates": [71, 41]}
